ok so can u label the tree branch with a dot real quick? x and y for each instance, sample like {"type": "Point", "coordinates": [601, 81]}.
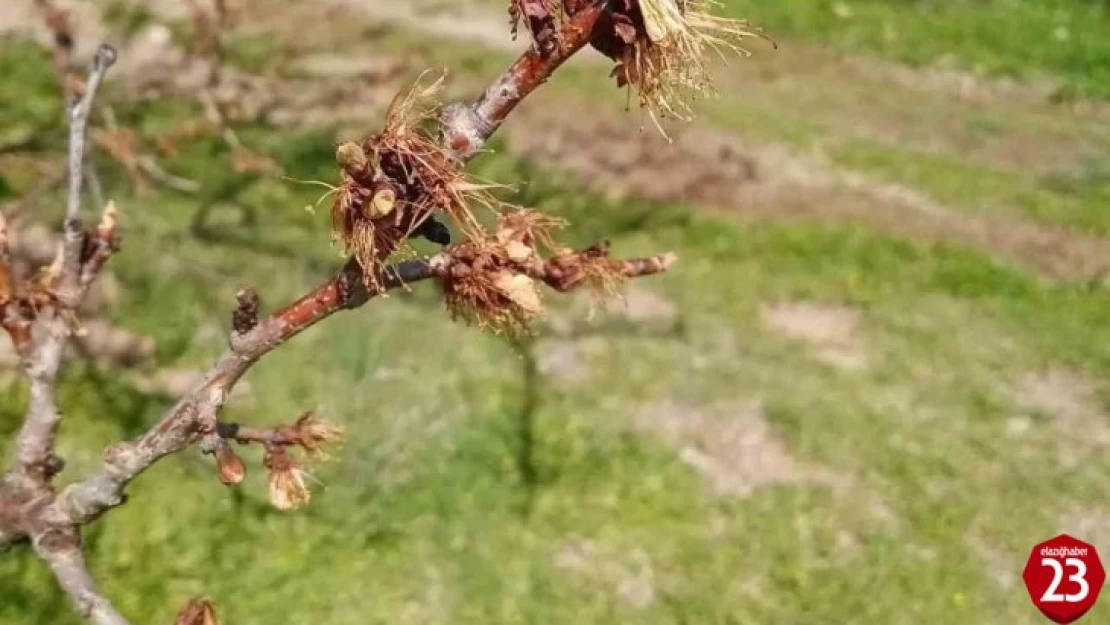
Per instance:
{"type": "Point", "coordinates": [195, 415]}
{"type": "Point", "coordinates": [61, 550]}
{"type": "Point", "coordinates": [35, 462]}
{"type": "Point", "coordinates": [467, 127]}
{"type": "Point", "coordinates": [30, 507]}
{"type": "Point", "coordinates": [78, 129]}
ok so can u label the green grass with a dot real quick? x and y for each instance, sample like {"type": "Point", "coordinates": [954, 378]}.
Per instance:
{"type": "Point", "coordinates": [437, 513]}
{"type": "Point", "coordinates": [1065, 39]}
{"type": "Point", "coordinates": [1073, 199]}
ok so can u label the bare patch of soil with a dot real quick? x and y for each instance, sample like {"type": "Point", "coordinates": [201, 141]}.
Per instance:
{"type": "Point", "coordinates": [632, 582]}
{"type": "Point", "coordinates": [569, 360]}
{"type": "Point", "coordinates": [833, 331]}
{"type": "Point", "coordinates": [737, 451]}
{"type": "Point", "coordinates": [612, 154]}
{"type": "Point", "coordinates": [1070, 400]}
{"type": "Point", "coordinates": [1002, 568]}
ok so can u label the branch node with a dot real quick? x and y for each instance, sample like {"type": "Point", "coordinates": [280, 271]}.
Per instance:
{"type": "Point", "coordinates": [105, 57]}
{"type": "Point", "coordinates": [226, 430]}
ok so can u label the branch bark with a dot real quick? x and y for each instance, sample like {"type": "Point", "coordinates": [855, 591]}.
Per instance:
{"type": "Point", "coordinates": [34, 445]}
{"type": "Point", "coordinates": [467, 127]}
{"type": "Point", "coordinates": [30, 507]}
{"type": "Point", "coordinates": [61, 551]}
{"type": "Point", "coordinates": [196, 414]}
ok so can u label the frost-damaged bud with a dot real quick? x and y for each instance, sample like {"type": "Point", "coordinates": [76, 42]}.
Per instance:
{"type": "Point", "coordinates": [198, 611]}
{"type": "Point", "coordinates": [247, 305]}
{"type": "Point", "coordinates": [521, 291]}
{"type": "Point", "coordinates": [106, 230]}
{"type": "Point", "coordinates": [6, 287]}
{"type": "Point", "coordinates": [47, 277]}
{"type": "Point", "coordinates": [315, 435]}
{"type": "Point", "coordinates": [661, 49]}
{"type": "Point", "coordinates": [410, 177]}
{"type": "Point", "coordinates": [382, 203]}
{"type": "Point", "coordinates": [286, 481]}
{"type": "Point", "coordinates": [350, 156]}
{"type": "Point", "coordinates": [229, 465]}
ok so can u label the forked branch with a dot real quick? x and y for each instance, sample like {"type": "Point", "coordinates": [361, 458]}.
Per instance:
{"type": "Point", "coordinates": [394, 184]}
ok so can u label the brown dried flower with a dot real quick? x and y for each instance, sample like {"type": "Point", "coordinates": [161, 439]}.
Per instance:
{"type": "Point", "coordinates": [397, 179]}
{"type": "Point", "coordinates": [229, 465]}
{"type": "Point", "coordinates": [494, 282]}
{"type": "Point", "coordinates": [661, 49]}
{"type": "Point", "coordinates": [198, 611]}
{"type": "Point", "coordinates": [286, 480]}
{"type": "Point", "coordinates": [315, 435]}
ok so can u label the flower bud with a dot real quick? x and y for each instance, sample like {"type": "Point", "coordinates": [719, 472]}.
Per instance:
{"type": "Point", "coordinates": [350, 156]}
{"type": "Point", "coordinates": [230, 466]}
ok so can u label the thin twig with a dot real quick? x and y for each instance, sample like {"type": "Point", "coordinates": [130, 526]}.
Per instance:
{"type": "Point", "coordinates": [29, 506]}
{"type": "Point", "coordinates": [35, 441]}
{"type": "Point", "coordinates": [78, 130]}
{"type": "Point", "coordinates": [195, 415]}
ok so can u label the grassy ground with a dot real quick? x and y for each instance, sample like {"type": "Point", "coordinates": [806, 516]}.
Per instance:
{"type": "Point", "coordinates": [811, 423]}
{"type": "Point", "coordinates": [1063, 39]}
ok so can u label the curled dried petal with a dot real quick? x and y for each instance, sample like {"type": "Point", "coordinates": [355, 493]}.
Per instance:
{"type": "Point", "coordinates": [662, 50]}
{"type": "Point", "coordinates": [287, 488]}
{"type": "Point", "coordinates": [230, 466]}
{"type": "Point", "coordinates": [315, 435]}
{"type": "Point", "coordinates": [198, 611]}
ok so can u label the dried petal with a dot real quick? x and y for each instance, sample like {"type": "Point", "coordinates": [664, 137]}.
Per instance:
{"type": "Point", "coordinates": [382, 203]}
{"type": "Point", "coordinates": [48, 276]}
{"type": "Point", "coordinates": [315, 435]}
{"type": "Point", "coordinates": [198, 611]}
{"type": "Point", "coordinates": [230, 466]}
{"type": "Point", "coordinates": [520, 290]}
{"type": "Point", "coordinates": [663, 51]}
{"type": "Point", "coordinates": [286, 481]}
{"type": "Point", "coordinates": [350, 156]}
{"type": "Point", "coordinates": [519, 252]}
{"type": "Point", "coordinates": [108, 218]}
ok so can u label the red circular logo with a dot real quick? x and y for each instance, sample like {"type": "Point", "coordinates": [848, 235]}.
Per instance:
{"type": "Point", "coordinates": [1064, 577]}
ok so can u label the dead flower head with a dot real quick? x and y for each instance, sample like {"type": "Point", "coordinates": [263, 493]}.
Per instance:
{"type": "Point", "coordinates": [286, 481]}
{"type": "Point", "coordinates": [395, 180]}
{"type": "Point", "coordinates": [494, 282]}
{"type": "Point", "coordinates": [315, 435]}
{"type": "Point", "coordinates": [229, 466]}
{"type": "Point", "coordinates": [198, 611]}
{"type": "Point", "coordinates": [661, 49]}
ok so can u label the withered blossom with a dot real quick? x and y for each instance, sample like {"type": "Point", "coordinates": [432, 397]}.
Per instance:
{"type": "Point", "coordinates": [286, 480]}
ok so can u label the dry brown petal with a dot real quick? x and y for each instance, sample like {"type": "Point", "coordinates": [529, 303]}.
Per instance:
{"type": "Point", "coordinates": [108, 219]}
{"type": "Point", "coordinates": [287, 488]}
{"type": "Point", "coordinates": [315, 435]}
{"type": "Point", "coordinates": [350, 156]}
{"type": "Point", "coordinates": [519, 252]}
{"type": "Point", "coordinates": [230, 466]}
{"type": "Point", "coordinates": [520, 290]}
{"type": "Point", "coordinates": [48, 276]}
{"type": "Point", "coordinates": [382, 203]}
{"type": "Point", "coordinates": [198, 611]}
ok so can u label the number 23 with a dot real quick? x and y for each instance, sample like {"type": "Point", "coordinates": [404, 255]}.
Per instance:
{"type": "Point", "coordinates": [1080, 577]}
